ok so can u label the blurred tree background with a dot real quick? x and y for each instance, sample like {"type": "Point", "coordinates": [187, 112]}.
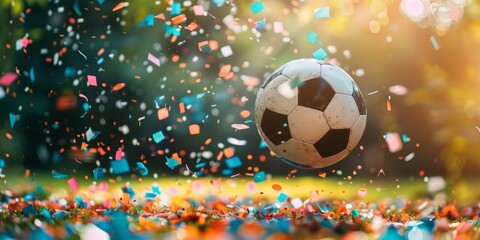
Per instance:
{"type": "Point", "coordinates": [372, 40]}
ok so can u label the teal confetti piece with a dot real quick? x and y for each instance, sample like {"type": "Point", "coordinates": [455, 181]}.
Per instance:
{"type": "Point", "coordinates": [32, 75]}
{"type": "Point", "coordinates": [76, 8]}
{"type": "Point", "coordinates": [176, 8]}
{"type": "Point", "coordinates": [13, 118]}
{"type": "Point", "coordinates": [29, 210]}
{"type": "Point", "coordinates": [100, 1]}
{"type": "Point", "coordinates": [312, 37]}
{"type": "Point", "coordinates": [282, 197]}
{"type": "Point", "coordinates": [200, 95]}
{"type": "Point", "coordinates": [323, 12]}
{"type": "Point", "coordinates": [233, 162]}
{"type": "Point", "coordinates": [172, 163]}
{"type": "Point", "coordinates": [58, 175]}
{"type": "Point", "coordinates": [259, 176]}
{"type": "Point", "coordinates": [171, 30]}
{"type": "Point", "coordinates": [141, 169]}
{"type": "Point", "coordinates": [156, 189]}
{"type": "Point", "coordinates": [320, 54]}
{"type": "Point", "coordinates": [148, 21]}
{"type": "Point", "coordinates": [120, 166]}
{"type": "Point", "coordinates": [2, 163]}
{"type": "Point", "coordinates": [257, 7]}
{"type": "Point", "coordinates": [60, 214]}
{"type": "Point", "coordinates": [158, 136]}
{"type": "Point", "coordinates": [434, 43]}
{"type": "Point", "coordinates": [150, 195]}
{"type": "Point", "coordinates": [98, 173]}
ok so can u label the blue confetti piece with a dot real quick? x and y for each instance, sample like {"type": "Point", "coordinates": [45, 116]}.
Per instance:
{"type": "Point", "coordinates": [76, 8]}
{"type": "Point", "coordinates": [32, 75]}
{"type": "Point", "coordinates": [282, 197]}
{"type": "Point", "coordinates": [56, 157]}
{"type": "Point", "coordinates": [261, 25]}
{"type": "Point", "coordinates": [171, 30]}
{"type": "Point", "coordinates": [176, 8]}
{"type": "Point", "coordinates": [148, 21]}
{"type": "Point", "coordinates": [218, 3]}
{"type": "Point", "coordinates": [262, 144]}
{"type": "Point", "coordinates": [60, 214]}
{"type": "Point", "coordinates": [2, 163]}
{"type": "Point", "coordinates": [172, 163]}
{"type": "Point", "coordinates": [259, 176]}
{"type": "Point", "coordinates": [312, 37]}
{"type": "Point", "coordinates": [227, 172]}
{"type": "Point", "coordinates": [150, 195]}
{"type": "Point", "coordinates": [100, 61]}
{"type": "Point", "coordinates": [100, 1]}
{"type": "Point", "coordinates": [156, 189]}
{"type": "Point", "coordinates": [233, 162]}
{"type": "Point", "coordinates": [98, 173]}
{"type": "Point", "coordinates": [323, 12]}
{"type": "Point", "coordinates": [200, 95]}
{"type": "Point", "coordinates": [434, 43]}
{"type": "Point", "coordinates": [29, 196]}
{"type": "Point", "coordinates": [257, 7]}
{"type": "Point", "coordinates": [120, 166]}
{"type": "Point", "coordinates": [58, 175]}
{"type": "Point", "coordinates": [46, 214]}
{"type": "Point", "coordinates": [141, 169]}
{"type": "Point", "coordinates": [355, 213]}
{"type": "Point", "coordinates": [29, 210]}
{"type": "Point", "coordinates": [158, 136]}
{"type": "Point", "coordinates": [69, 72]}
{"type": "Point", "coordinates": [13, 117]}
{"type": "Point", "coordinates": [200, 165]}
{"type": "Point", "coordinates": [320, 54]}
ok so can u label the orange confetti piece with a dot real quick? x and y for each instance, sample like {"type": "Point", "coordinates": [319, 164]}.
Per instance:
{"type": "Point", "coordinates": [182, 107]}
{"type": "Point", "coordinates": [118, 7]}
{"type": "Point", "coordinates": [245, 114]}
{"type": "Point", "coordinates": [162, 113]}
{"type": "Point", "coordinates": [192, 26]}
{"type": "Point", "coordinates": [179, 19]}
{"type": "Point", "coordinates": [118, 86]}
{"type": "Point", "coordinates": [276, 187]}
{"type": "Point", "coordinates": [176, 157]}
{"type": "Point", "coordinates": [389, 106]}
{"type": "Point", "coordinates": [84, 145]}
{"type": "Point", "coordinates": [322, 174]}
{"type": "Point", "coordinates": [194, 129]}
{"type": "Point", "coordinates": [229, 152]}
{"type": "Point", "coordinates": [160, 16]}
{"type": "Point", "coordinates": [224, 70]}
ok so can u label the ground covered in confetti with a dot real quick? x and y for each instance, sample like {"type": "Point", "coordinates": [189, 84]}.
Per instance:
{"type": "Point", "coordinates": [234, 209]}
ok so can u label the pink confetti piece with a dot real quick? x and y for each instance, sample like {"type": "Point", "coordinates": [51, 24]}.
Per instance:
{"type": "Point", "coordinates": [24, 42]}
{"type": "Point", "coordinates": [239, 126]}
{"type": "Point", "coordinates": [118, 154]}
{"type": "Point", "coordinates": [455, 14]}
{"type": "Point", "coordinates": [73, 184]}
{"type": "Point", "coordinates": [8, 79]}
{"type": "Point", "coordinates": [199, 10]}
{"type": "Point", "coordinates": [394, 142]}
{"type": "Point", "coordinates": [277, 27]}
{"type": "Point", "coordinates": [92, 80]}
{"type": "Point", "coordinates": [153, 59]}
{"type": "Point", "coordinates": [251, 187]}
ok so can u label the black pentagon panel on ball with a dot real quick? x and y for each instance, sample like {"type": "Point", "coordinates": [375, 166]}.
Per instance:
{"type": "Point", "coordinates": [275, 127]}
{"type": "Point", "coordinates": [272, 76]}
{"type": "Point", "coordinates": [357, 95]}
{"type": "Point", "coordinates": [294, 164]}
{"type": "Point", "coordinates": [335, 141]}
{"type": "Point", "coordinates": [315, 93]}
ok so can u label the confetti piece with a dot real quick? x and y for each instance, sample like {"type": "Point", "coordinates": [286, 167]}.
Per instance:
{"type": "Point", "coordinates": [314, 196]}
{"type": "Point", "coordinates": [91, 135]}
{"type": "Point", "coordinates": [409, 157]}
{"type": "Point", "coordinates": [260, 176]}
{"type": "Point", "coordinates": [320, 54]}
{"type": "Point", "coordinates": [156, 189]}
{"type": "Point", "coordinates": [278, 27]}
{"type": "Point", "coordinates": [58, 175]}
{"type": "Point", "coordinates": [100, 1]}
{"type": "Point", "coordinates": [435, 184]}
{"type": "Point", "coordinates": [312, 37]}
{"type": "Point", "coordinates": [92, 80]}
{"type": "Point", "coordinates": [179, 19]}
{"type": "Point", "coordinates": [149, 20]}
{"type": "Point", "coordinates": [171, 30]}
{"type": "Point", "coordinates": [282, 197]}
{"type": "Point", "coordinates": [394, 142]}
{"type": "Point", "coordinates": [434, 43]}
{"type": "Point", "coordinates": [194, 129]}
{"type": "Point", "coordinates": [153, 59]}
{"type": "Point", "coordinates": [322, 174]}
{"type": "Point", "coordinates": [233, 162]}
{"type": "Point", "coordinates": [171, 162]}
{"type": "Point", "coordinates": [237, 126]}
{"type": "Point", "coordinates": [8, 79]}
{"type": "Point", "coordinates": [13, 118]}
{"type": "Point", "coordinates": [118, 87]}
{"type": "Point", "coordinates": [323, 12]}
{"type": "Point", "coordinates": [251, 187]}
{"type": "Point", "coordinates": [226, 51]}
{"type": "Point", "coordinates": [98, 173]}
{"type": "Point", "coordinates": [176, 8]}
{"type": "Point", "coordinates": [120, 166]}
{"type": "Point", "coordinates": [29, 210]}
{"type": "Point", "coordinates": [162, 113]}
{"type": "Point", "coordinates": [371, 93]}
{"type": "Point", "coordinates": [224, 70]}
{"type": "Point", "coordinates": [398, 90]}
{"type": "Point", "coordinates": [296, 203]}
{"type": "Point", "coordinates": [118, 154]}
{"type": "Point", "coordinates": [24, 42]}
{"type": "Point", "coordinates": [150, 195]}
{"type": "Point", "coordinates": [389, 106]}
{"type": "Point", "coordinates": [236, 142]}
{"type": "Point", "coordinates": [199, 10]}
{"type": "Point", "coordinates": [118, 7]}
{"type": "Point", "coordinates": [141, 169]}
{"type": "Point", "coordinates": [257, 7]}
{"type": "Point", "coordinates": [158, 136]}
{"type": "Point", "coordinates": [73, 184]}
{"type": "Point", "coordinates": [455, 14]}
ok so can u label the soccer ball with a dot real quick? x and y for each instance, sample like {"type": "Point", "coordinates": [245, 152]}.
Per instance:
{"type": "Point", "coordinates": [310, 113]}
